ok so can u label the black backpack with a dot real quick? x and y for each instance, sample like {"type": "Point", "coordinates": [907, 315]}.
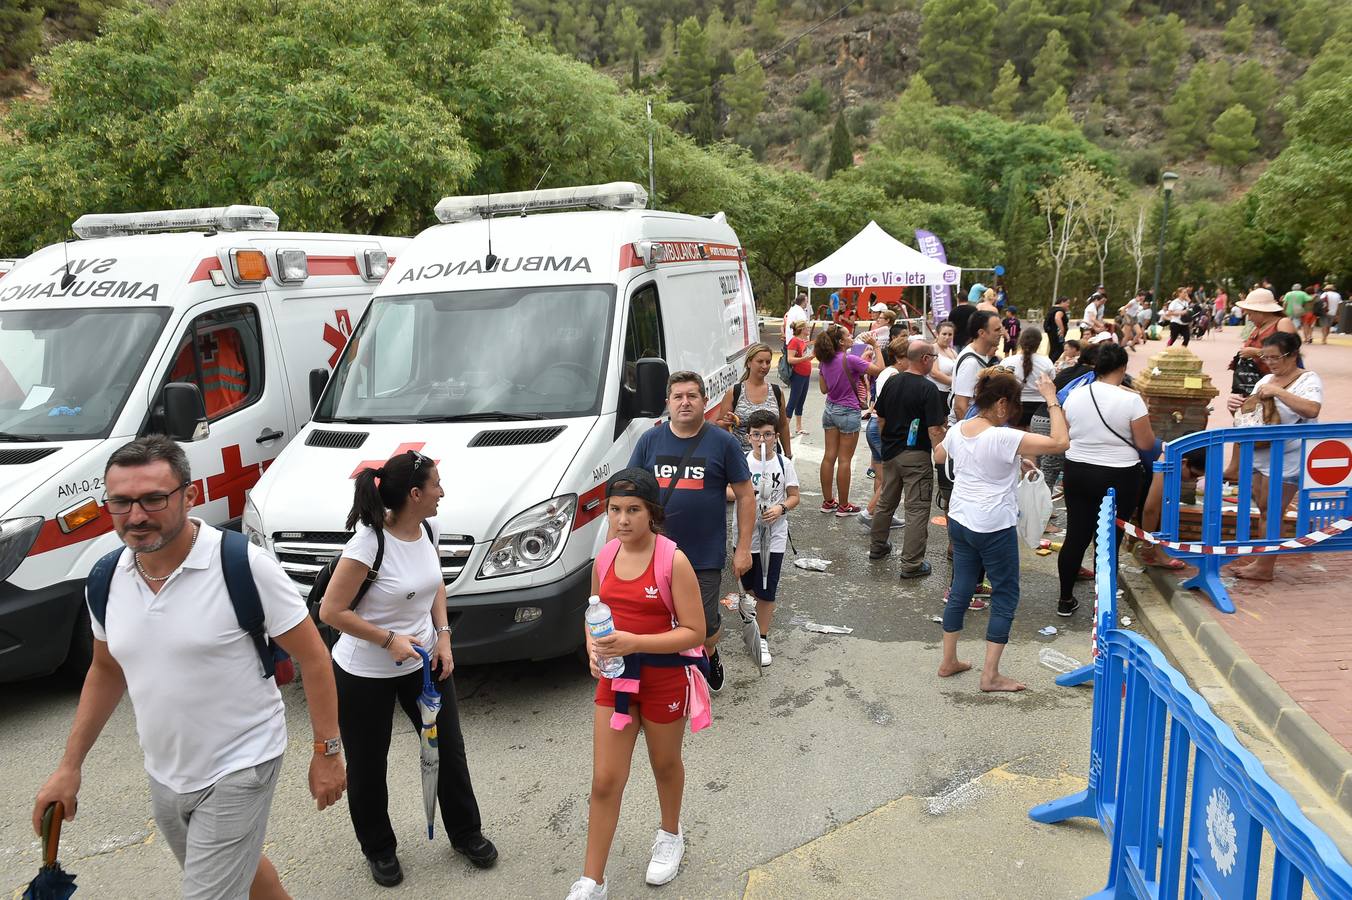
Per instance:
{"type": "Point", "coordinates": [325, 575]}
{"type": "Point", "coordinates": [239, 583]}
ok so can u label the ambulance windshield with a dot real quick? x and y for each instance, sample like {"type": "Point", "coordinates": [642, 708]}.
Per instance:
{"type": "Point", "coordinates": [65, 373]}
{"type": "Point", "coordinates": [508, 353]}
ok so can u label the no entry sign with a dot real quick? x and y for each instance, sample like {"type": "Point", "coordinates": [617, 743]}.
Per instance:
{"type": "Point", "coordinates": [1328, 463]}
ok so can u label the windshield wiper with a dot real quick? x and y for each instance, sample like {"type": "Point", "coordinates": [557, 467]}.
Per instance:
{"type": "Point", "coordinates": [22, 438]}
{"type": "Point", "coordinates": [488, 416]}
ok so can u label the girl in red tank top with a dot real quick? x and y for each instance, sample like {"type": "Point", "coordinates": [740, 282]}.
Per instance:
{"type": "Point", "coordinates": [642, 626]}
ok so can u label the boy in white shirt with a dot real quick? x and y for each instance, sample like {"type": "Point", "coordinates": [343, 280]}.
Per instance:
{"type": "Point", "coordinates": [775, 483]}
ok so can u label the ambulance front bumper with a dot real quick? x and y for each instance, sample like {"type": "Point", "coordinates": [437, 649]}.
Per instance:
{"type": "Point", "coordinates": [36, 627]}
{"type": "Point", "coordinates": [488, 627]}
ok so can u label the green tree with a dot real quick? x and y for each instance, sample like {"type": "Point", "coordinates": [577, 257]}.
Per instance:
{"type": "Point", "coordinates": [1231, 140]}
{"type": "Point", "coordinates": [630, 40]}
{"type": "Point", "coordinates": [1056, 114]}
{"type": "Point", "coordinates": [907, 122]}
{"type": "Point", "coordinates": [956, 42]}
{"type": "Point", "coordinates": [1005, 95]}
{"type": "Point", "coordinates": [1238, 34]}
{"type": "Point", "coordinates": [1305, 25]}
{"type": "Point", "coordinates": [21, 24]}
{"type": "Point", "coordinates": [1023, 29]}
{"type": "Point", "coordinates": [842, 147]}
{"type": "Point", "coordinates": [690, 76]}
{"type": "Point", "coordinates": [765, 25]}
{"type": "Point", "coordinates": [1049, 68]}
{"type": "Point", "coordinates": [1254, 86]}
{"type": "Point", "coordinates": [744, 92]}
{"type": "Point", "coordinates": [1167, 44]}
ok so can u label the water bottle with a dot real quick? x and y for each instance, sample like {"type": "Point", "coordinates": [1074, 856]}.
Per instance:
{"type": "Point", "coordinates": [910, 435]}
{"type": "Point", "coordinates": [601, 623]}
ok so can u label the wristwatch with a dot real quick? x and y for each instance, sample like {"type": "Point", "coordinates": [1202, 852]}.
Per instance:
{"type": "Point", "coordinates": [328, 747]}
{"type": "Point", "coordinates": [443, 629]}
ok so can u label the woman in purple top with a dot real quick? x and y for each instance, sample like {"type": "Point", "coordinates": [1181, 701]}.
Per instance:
{"type": "Point", "coordinates": [839, 373]}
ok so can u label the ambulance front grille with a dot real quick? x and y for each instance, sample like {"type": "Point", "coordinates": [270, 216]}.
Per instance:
{"type": "Point", "coordinates": [343, 440]}
{"type": "Point", "coordinates": [515, 437]}
{"type": "Point", "coordinates": [25, 456]}
{"type": "Point", "coordinates": [303, 554]}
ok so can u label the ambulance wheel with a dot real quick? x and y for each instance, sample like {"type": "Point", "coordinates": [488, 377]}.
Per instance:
{"type": "Point", "coordinates": [81, 652]}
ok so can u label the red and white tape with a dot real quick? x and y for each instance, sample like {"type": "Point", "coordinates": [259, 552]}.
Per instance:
{"type": "Point", "coordinates": [1309, 540]}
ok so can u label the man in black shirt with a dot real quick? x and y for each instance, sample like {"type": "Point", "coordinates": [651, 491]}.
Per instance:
{"type": "Point", "coordinates": [911, 419]}
{"type": "Point", "coordinates": [1055, 326]}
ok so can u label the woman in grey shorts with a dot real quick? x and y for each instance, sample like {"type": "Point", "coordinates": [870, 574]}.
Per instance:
{"type": "Point", "coordinates": [840, 374]}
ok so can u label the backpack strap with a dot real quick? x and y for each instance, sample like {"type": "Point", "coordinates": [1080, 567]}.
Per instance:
{"type": "Point", "coordinates": [663, 555]}
{"type": "Point", "coordinates": [99, 582]}
{"type": "Point", "coordinates": [736, 395]}
{"type": "Point", "coordinates": [239, 581]}
{"type": "Point", "coordinates": [779, 395]}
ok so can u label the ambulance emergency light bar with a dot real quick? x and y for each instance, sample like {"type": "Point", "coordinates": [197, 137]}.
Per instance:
{"type": "Point", "coordinates": [215, 218]}
{"type": "Point", "coordinates": [616, 195]}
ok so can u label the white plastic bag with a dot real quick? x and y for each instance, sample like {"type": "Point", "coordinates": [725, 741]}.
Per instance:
{"type": "Point", "coordinates": [1035, 508]}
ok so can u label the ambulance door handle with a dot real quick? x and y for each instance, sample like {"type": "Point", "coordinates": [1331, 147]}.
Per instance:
{"type": "Point", "coordinates": [269, 436]}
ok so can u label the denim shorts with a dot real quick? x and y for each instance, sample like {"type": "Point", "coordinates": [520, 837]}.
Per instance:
{"type": "Point", "coordinates": [844, 419]}
{"type": "Point", "coordinates": [874, 438]}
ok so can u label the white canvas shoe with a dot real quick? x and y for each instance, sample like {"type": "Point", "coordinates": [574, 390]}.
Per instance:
{"type": "Point", "coordinates": [586, 889]}
{"type": "Point", "coordinates": [668, 851]}
{"type": "Point", "coordinates": [765, 652]}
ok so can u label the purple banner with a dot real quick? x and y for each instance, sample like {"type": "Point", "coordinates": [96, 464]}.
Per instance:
{"type": "Point", "coordinates": [941, 295]}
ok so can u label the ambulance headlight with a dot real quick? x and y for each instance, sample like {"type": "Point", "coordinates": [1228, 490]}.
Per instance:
{"type": "Point", "coordinates": [16, 539]}
{"type": "Point", "coordinates": [531, 540]}
{"type": "Point", "coordinates": [252, 525]}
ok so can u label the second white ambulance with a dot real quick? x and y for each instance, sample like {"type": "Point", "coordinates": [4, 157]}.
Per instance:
{"type": "Point", "coordinates": [526, 354]}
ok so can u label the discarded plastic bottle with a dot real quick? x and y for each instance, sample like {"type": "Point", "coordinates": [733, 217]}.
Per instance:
{"type": "Point", "coordinates": [1057, 661]}
{"type": "Point", "coordinates": [601, 623]}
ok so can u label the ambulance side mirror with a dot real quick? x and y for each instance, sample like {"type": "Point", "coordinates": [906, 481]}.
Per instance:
{"type": "Point", "coordinates": [651, 397]}
{"type": "Point", "coordinates": [183, 414]}
{"type": "Point", "coordinates": [319, 379]}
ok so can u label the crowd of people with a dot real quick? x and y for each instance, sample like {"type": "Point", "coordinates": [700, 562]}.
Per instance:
{"type": "Point", "coordinates": [954, 423]}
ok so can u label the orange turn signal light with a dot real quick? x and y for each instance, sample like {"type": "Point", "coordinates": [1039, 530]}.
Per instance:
{"type": "Point", "coordinates": [78, 517]}
{"type": "Point", "coordinates": [250, 265]}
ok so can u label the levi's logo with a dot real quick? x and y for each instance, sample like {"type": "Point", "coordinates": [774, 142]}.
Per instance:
{"type": "Point", "coordinates": [651, 592]}
{"type": "Point", "coordinates": [691, 478]}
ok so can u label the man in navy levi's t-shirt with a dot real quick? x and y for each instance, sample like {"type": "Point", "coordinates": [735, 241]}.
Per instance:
{"type": "Point", "coordinates": [695, 494]}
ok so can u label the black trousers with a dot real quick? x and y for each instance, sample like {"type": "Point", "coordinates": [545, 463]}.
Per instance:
{"type": "Point", "coordinates": [1179, 330]}
{"type": "Point", "coordinates": [1086, 485]}
{"type": "Point", "coordinates": [365, 719]}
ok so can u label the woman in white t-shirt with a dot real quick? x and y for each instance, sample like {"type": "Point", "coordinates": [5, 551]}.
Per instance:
{"type": "Point", "coordinates": [1109, 428]}
{"type": "Point", "coordinates": [942, 373]}
{"type": "Point", "coordinates": [374, 662]}
{"type": "Point", "coordinates": [1297, 396]}
{"type": "Point", "coordinates": [983, 512]}
{"type": "Point", "coordinates": [1029, 366]}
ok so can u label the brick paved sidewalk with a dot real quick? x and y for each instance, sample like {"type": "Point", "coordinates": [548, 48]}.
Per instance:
{"type": "Point", "coordinates": [1298, 629]}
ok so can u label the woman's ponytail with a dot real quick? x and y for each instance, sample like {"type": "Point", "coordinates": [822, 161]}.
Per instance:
{"type": "Point", "coordinates": [367, 507]}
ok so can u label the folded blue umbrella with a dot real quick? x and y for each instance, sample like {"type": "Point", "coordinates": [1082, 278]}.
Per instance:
{"type": "Point", "coordinates": [53, 882]}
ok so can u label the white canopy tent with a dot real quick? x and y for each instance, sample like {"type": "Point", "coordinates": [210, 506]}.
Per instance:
{"type": "Point", "coordinates": [872, 259]}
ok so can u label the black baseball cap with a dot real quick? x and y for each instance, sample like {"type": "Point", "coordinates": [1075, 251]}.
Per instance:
{"type": "Point", "coordinates": [644, 485]}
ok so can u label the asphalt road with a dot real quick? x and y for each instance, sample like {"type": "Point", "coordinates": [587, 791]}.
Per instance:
{"type": "Point", "coordinates": [848, 769]}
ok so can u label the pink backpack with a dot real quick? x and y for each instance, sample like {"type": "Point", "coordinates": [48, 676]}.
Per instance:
{"type": "Point", "coordinates": [697, 690]}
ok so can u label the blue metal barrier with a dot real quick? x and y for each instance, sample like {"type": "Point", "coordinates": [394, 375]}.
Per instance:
{"type": "Point", "coordinates": [1316, 506]}
{"type": "Point", "coordinates": [1183, 803]}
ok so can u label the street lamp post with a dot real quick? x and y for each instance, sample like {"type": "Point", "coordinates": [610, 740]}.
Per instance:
{"type": "Point", "coordinates": [1167, 181]}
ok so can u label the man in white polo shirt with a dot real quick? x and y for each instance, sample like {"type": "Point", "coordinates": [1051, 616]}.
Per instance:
{"type": "Point", "coordinates": [212, 727]}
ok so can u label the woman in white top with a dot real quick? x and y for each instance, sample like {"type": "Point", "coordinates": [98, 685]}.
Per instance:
{"type": "Point", "coordinates": [942, 373]}
{"type": "Point", "coordinates": [1176, 315]}
{"type": "Point", "coordinates": [374, 662]}
{"type": "Point", "coordinates": [983, 512]}
{"type": "Point", "coordinates": [1296, 396]}
{"type": "Point", "coordinates": [1029, 366]}
{"type": "Point", "coordinates": [1109, 428]}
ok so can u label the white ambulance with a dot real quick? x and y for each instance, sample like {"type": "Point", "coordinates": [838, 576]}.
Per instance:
{"type": "Point", "coordinates": [525, 349]}
{"type": "Point", "coordinates": [202, 324]}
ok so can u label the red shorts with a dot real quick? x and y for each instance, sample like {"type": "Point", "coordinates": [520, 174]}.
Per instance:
{"type": "Point", "coordinates": [660, 699]}
{"type": "Point", "coordinates": [1308, 318]}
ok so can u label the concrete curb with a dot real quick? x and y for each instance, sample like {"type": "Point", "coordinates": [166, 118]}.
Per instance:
{"type": "Point", "coordinates": [1329, 765]}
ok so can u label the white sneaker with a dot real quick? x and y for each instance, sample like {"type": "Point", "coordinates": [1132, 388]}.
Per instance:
{"type": "Point", "coordinates": [898, 523]}
{"type": "Point", "coordinates": [766, 659]}
{"type": "Point", "coordinates": [586, 889]}
{"type": "Point", "coordinates": [668, 851]}
{"type": "Point", "coordinates": [865, 517]}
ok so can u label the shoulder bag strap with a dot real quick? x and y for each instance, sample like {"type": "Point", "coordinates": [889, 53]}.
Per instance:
{"type": "Point", "coordinates": [1090, 389]}
{"type": "Point", "coordinates": [690, 449]}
